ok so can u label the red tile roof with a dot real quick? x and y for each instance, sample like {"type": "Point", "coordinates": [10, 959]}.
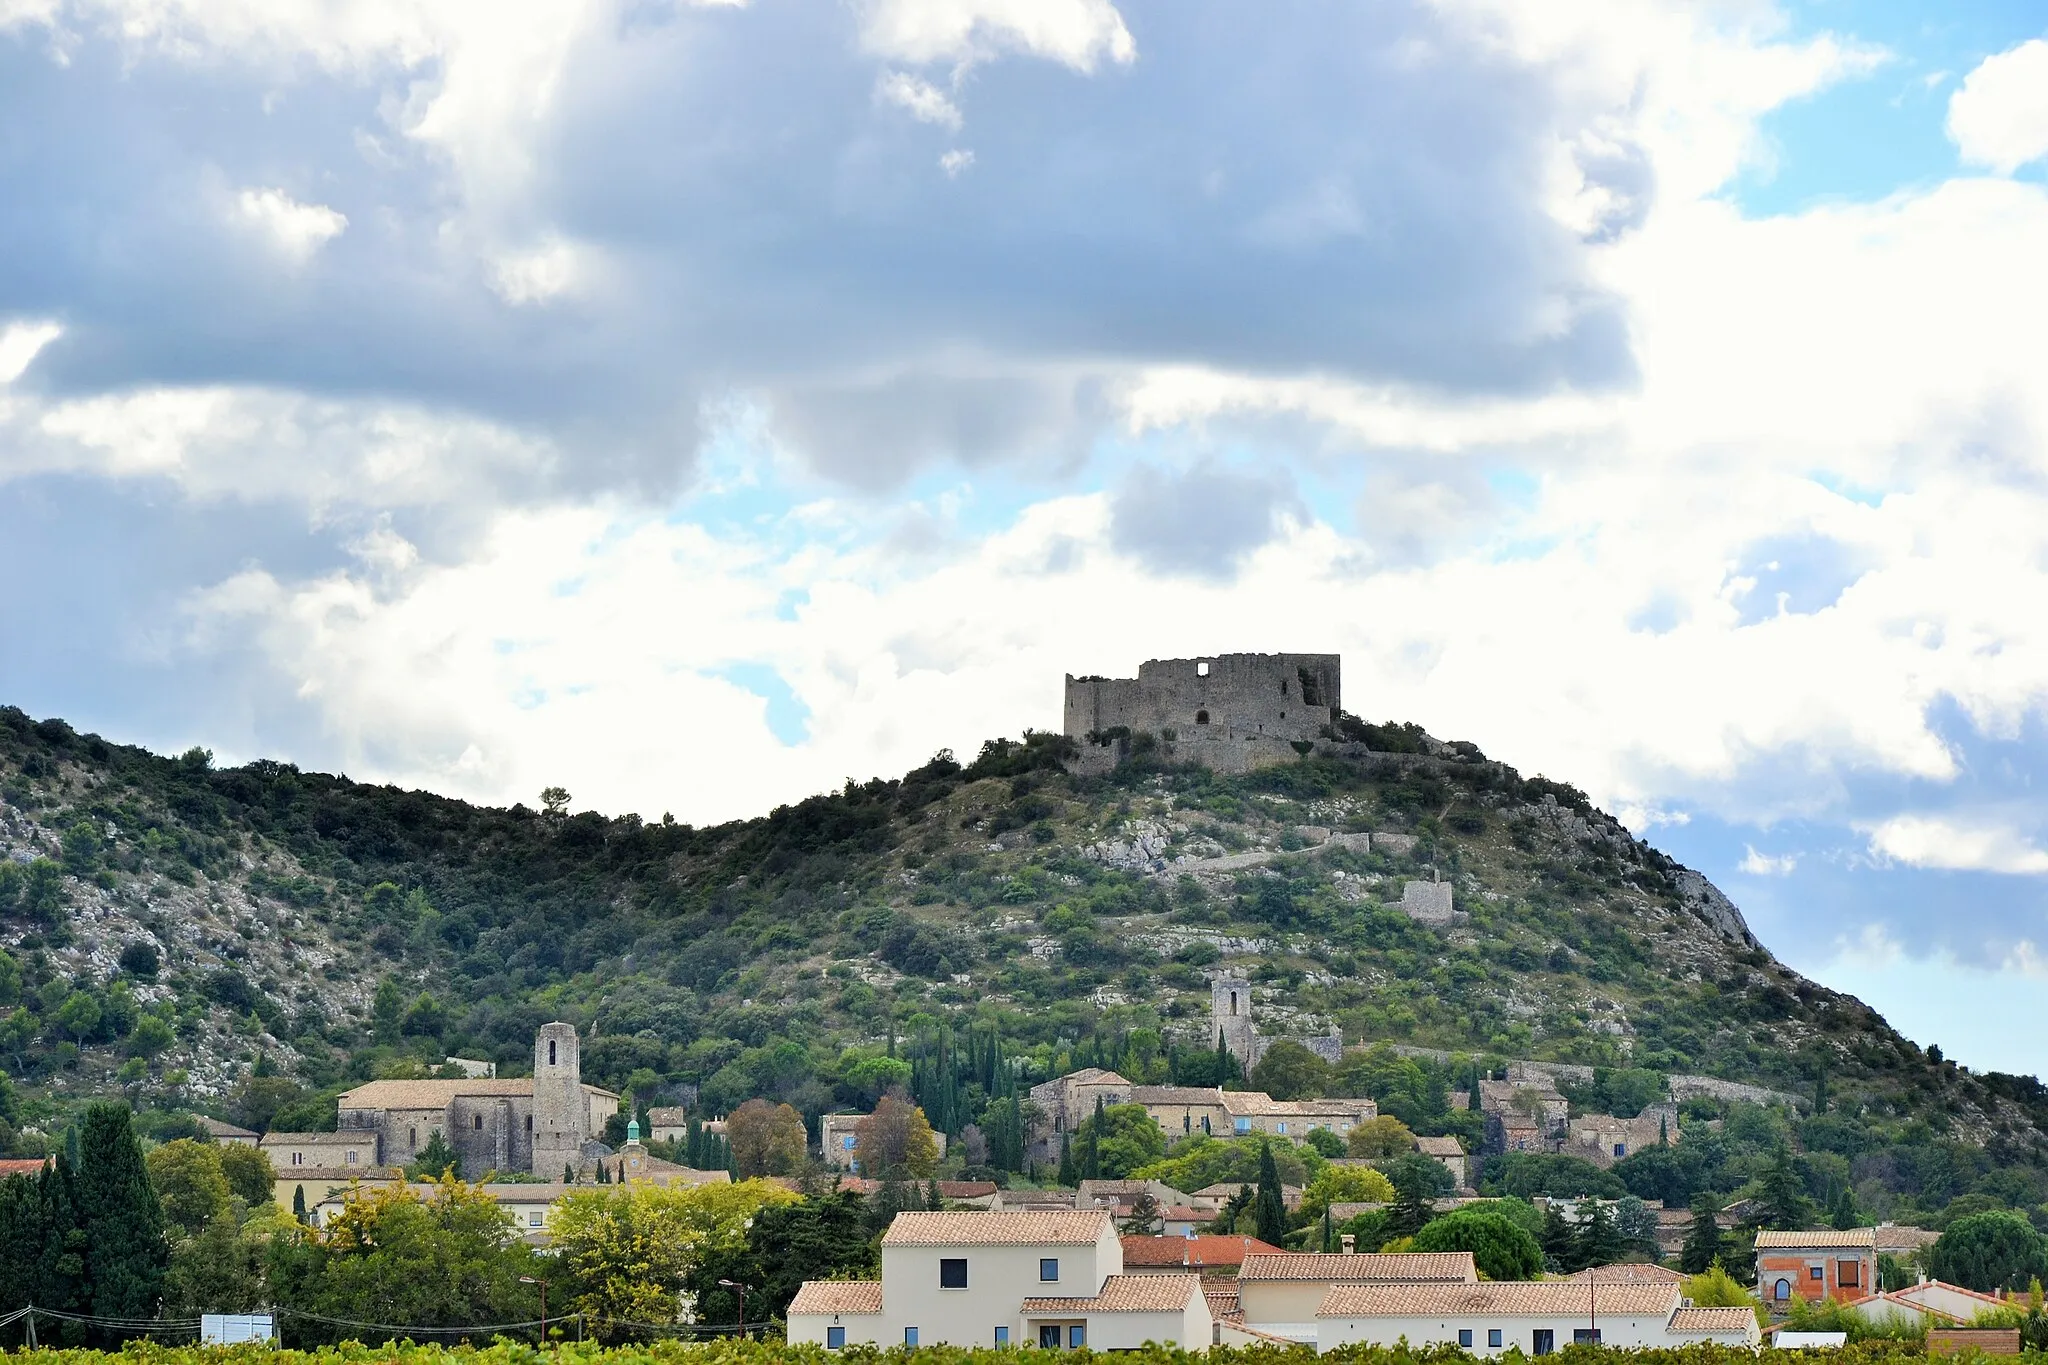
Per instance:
{"type": "Point", "coordinates": [1454, 1267]}
{"type": "Point", "coordinates": [1126, 1294]}
{"type": "Point", "coordinates": [21, 1167]}
{"type": "Point", "coordinates": [1194, 1252]}
{"type": "Point", "coordinates": [838, 1296]}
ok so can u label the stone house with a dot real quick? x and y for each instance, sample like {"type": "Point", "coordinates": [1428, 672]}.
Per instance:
{"type": "Point", "coordinates": [1815, 1265]}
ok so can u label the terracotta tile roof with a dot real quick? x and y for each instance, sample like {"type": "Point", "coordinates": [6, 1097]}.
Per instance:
{"type": "Point", "coordinates": [352, 1137]}
{"type": "Point", "coordinates": [1817, 1237]}
{"type": "Point", "coordinates": [220, 1129]}
{"type": "Point", "coordinates": [967, 1189]}
{"type": "Point", "coordinates": [1095, 1189]}
{"type": "Point", "coordinates": [1629, 1273]}
{"type": "Point", "coordinates": [838, 1296]}
{"type": "Point", "coordinates": [437, 1094]}
{"type": "Point", "coordinates": [1505, 1298]}
{"type": "Point", "coordinates": [1222, 1302]}
{"type": "Point", "coordinates": [1127, 1294]}
{"type": "Point", "coordinates": [668, 1116]}
{"type": "Point", "coordinates": [21, 1166]}
{"type": "Point", "coordinates": [1439, 1146]}
{"type": "Point", "coordinates": [1733, 1320]}
{"type": "Point", "coordinates": [1194, 1252]}
{"type": "Point", "coordinates": [1454, 1267]}
{"type": "Point", "coordinates": [1007, 1228]}
{"type": "Point", "coordinates": [1092, 1075]}
{"type": "Point", "coordinates": [1176, 1094]}
{"type": "Point", "coordinates": [1184, 1213]}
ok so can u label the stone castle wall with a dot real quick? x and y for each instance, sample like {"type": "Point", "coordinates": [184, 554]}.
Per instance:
{"type": "Point", "coordinates": [1267, 700]}
{"type": "Point", "coordinates": [561, 1112]}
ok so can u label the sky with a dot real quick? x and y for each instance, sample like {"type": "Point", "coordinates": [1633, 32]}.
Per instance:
{"type": "Point", "coordinates": [697, 403]}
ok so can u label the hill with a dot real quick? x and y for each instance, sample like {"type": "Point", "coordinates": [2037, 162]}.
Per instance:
{"type": "Point", "coordinates": [248, 941]}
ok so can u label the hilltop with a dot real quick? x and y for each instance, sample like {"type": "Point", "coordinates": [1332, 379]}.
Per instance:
{"type": "Point", "coordinates": [247, 941]}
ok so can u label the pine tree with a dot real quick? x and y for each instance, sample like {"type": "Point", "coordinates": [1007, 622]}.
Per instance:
{"type": "Point", "coordinates": [126, 1251]}
{"type": "Point", "coordinates": [1703, 1239]}
{"type": "Point", "coordinates": [1781, 1195]}
{"type": "Point", "coordinates": [1560, 1241]}
{"type": "Point", "coordinates": [1843, 1215]}
{"type": "Point", "coordinates": [1269, 1209]}
{"type": "Point", "coordinates": [1599, 1241]}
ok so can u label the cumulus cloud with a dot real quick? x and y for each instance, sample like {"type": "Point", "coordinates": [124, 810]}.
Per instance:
{"type": "Point", "coordinates": [1079, 33]}
{"type": "Point", "coordinates": [21, 343]}
{"type": "Point", "coordinates": [1943, 842]}
{"type": "Point", "coordinates": [1201, 522]}
{"type": "Point", "coordinates": [1998, 117]}
{"type": "Point", "coordinates": [921, 100]}
{"type": "Point", "coordinates": [1765, 864]}
{"type": "Point", "coordinates": [296, 230]}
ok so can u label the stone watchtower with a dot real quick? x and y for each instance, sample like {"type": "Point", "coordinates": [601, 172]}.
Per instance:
{"type": "Point", "coordinates": [561, 1113]}
{"type": "Point", "coordinates": [1230, 1012]}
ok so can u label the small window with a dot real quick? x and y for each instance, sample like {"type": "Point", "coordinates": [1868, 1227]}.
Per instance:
{"type": "Point", "coordinates": [351, 1158]}
{"type": "Point", "coordinates": [1542, 1342]}
{"type": "Point", "coordinates": [1280, 1127]}
{"type": "Point", "coordinates": [953, 1272]}
{"type": "Point", "coordinates": [477, 1122]}
{"type": "Point", "coordinates": [1585, 1336]}
{"type": "Point", "coordinates": [1049, 1270]}
{"type": "Point", "coordinates": [1202, 669]}
{"type": "Point", "coordinates": [1201, 717]}
{"type": "Point", "coordinates": [835, 1338]}
{"type": "Point", "coordinates": [1849, 1274]}
{"type": "Point", "coordinates": [1814, 1272]}
{"type": "Point", "coordinates": [1243, 1125]}
{"type": "Point", "coordinates": [1621, 1149]}
{"type": "Point", "coordinates": [910, 1336]}
{"type": "Point", "coordinates": [412, 1137]}
{"type": "Point", "coordinates": [1782, 1290]}
{"type": "Point", "coordinates": [298, 1158]}
{"type": "Point", "coordinates": [1464, 1333]}
{"type": "Point", "coordinates": [533, 1218]}
{"type": "Point", "coordinates": [1493, 1336]}
{"type": "Point", "coordinates": [1002, 1336]}
{"type": "Point", "coordinates": [1049, 1337]}
{"type": "Point", "coordinates": [529, 1123]}
{"type": "Point", "coordinates": [1077, 1337]}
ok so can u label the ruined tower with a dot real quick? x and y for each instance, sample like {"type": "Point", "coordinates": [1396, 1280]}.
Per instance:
{"type": "Point", "coordinates": [1230, 1013]}
{"type": "Point", "coordinates": [561, 1113]}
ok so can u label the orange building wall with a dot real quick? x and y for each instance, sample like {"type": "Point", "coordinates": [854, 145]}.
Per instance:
{"type": "Point", "coordinates": [1859, 1272]}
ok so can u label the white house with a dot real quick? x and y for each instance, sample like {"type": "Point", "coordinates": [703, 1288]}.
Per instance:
{"type": "Point", "coordinates": [1534, 1317]}
{"type": "Point", "coordinates": [1279, 1292]}
{"type": "Point", "coordinates": [1052, 1279]}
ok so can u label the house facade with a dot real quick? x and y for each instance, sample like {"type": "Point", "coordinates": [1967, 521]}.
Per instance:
{"type": "Point", "coordinates": [1052, 1279]}
{"type": "Point", "coordinates": [1535, 1318]}
{"type": "Point", "coordinates": [1815, 1266]}
{"type": "Point", "coordinates": [1280, 1293]}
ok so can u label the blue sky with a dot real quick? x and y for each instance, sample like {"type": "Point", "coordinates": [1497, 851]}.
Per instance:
{"type": "Point", "coordinates": [698, 402]}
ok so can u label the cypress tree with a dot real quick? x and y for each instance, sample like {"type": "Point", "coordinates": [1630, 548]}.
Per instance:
{"type": "Point", "coordinates": [126, 1251]}
{"type": "Point", "coordinates": [59, 1256]}
{"type": "Point", "coordinates": [1329, 1230]}
{"type": "Point", "coordinates": [932, 1199]}
{"type": "Point", "coordinates": [568, 1174]}
{"type": "Point", "coordinates": [604, 1175]}
{"type": "Point", "coordinates": [1703, 1239]}
{"type": "Point", "coordinates": [1269, 1209]}
{"type": "Point", "coordinates": [299, 1202]}
{"type": "Point", "coordinates": [1069, 1176]}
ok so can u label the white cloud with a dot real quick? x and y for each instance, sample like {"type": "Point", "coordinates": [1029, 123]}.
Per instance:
{"type": "Point", "coordinates": [546, 272]}
{"type": "Point", "coordinates": [1998, 117]}
{"type": "Point", "coordinates": [1765, 865]}
{"type": "Point", "coordinates": [955, 161]}
{"type": "Point", "coordinates": [1077, 33]}
{"type": "Point", "coordinates": [296, 230]}
{"type": "Point", "coordinates": [21, 343]}
{"type": "Point", "coordinates": [923, 101]}
{"type": "Point", "coordinates": [1957, 845]}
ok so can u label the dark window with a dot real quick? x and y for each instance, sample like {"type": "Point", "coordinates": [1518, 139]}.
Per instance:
{"type": "Point", "coordinates": [1848, 1274]}
{"type": "Point", "coordinates": [1283, 692]}
{"type": "Point", "coordinates": [551, 1052]}
{"type": "Point", "coordinates": [1782, 1290]}
{"type": "Point", "coordinates": [1201, 717]}
{"type": "Point", "coordinates": [477, 1123]}
{"type": "Point", "coordinates": [1585, 1336]}
{"type": "Point", "coordinates": [1049, 1270]}
{"type": "Point", "coordinates": [1542, 1341]}
{"type": "Point", "coordinates": [1048, 1338]}
{"type": "Point", "coordinates": [1464, 1333]}
{"type": "Point", "coordinates": [1621, 1149]}
{"type": "Point", "coordinates": [835, 1338]}
{"type": "Point", "coordinates": [529, 1123]}
{"type": "Point", "coordinates": [1493, 1336]}
{"type": "Point", "coordinates": [953, 1272]}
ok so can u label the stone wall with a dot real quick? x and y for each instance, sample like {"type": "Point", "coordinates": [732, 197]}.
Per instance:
{"type": "Point", "coordinates": [1230, 698]}
{"type": "Point", "coordinates": [561, 1111]}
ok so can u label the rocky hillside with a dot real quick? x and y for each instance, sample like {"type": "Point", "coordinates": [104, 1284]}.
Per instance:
{"type": "Point", "coordinates": [184, 932]}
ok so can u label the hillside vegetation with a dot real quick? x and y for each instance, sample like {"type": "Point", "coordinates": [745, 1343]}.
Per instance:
{"type": "Point", "coordinates": [249, 941]}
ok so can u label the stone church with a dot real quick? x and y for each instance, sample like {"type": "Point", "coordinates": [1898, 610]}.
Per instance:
{"type": "Point", "coordinates": [539, 1124]}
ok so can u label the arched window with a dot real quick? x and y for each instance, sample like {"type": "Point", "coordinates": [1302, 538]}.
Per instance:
{"type": "Point", "coordinates": [1233, 1002]}
{"type": "Point", "coordinates": [1201, 717]}
{"type": "Point", "coordinates": [1782, 1290]}
{"type": "Point", "coordinates": [477, 1122]}
{"type": "Point", "coordinates": [551, 1052]}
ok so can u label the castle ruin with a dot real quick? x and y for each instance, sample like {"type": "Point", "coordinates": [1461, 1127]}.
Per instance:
{"type": "Point", "coordinates": [1229, 712]}
{"type": "Point", "coordinates": [1231, 1023]}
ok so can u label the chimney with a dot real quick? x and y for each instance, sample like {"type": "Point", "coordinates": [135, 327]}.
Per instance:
{"type": "Point", "coordinates": [1350, 1244]}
